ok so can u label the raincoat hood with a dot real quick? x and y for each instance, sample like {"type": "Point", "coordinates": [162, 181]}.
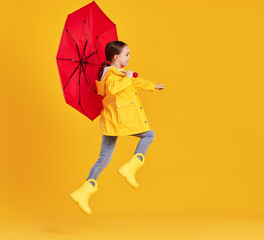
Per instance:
{"type": "Point", "coordinates": [107, 71]}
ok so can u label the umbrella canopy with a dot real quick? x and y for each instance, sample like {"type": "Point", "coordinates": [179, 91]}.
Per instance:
{"type": "Point", "coordinates": [80, 54]}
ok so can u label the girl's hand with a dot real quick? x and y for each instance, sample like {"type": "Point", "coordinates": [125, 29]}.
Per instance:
{"type": "Point", "coordinates": [159, 86]}
{"type": "Point", "coordinates": [129, 73]}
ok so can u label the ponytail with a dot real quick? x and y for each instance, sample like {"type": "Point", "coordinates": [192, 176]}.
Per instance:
{"type": "Point", "coordinates": [111, 49]}
{"type": "Point", "coordinates": [100, 73]}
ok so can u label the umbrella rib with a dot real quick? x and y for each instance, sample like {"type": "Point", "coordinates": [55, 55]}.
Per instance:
{"type": "Point", "coordinates": [106, 30]}
{"type": "Point", "coordinates": [80, 92]}
{"type": "Point", "coordinates": [86, 38]}
{"type": "Point", "coordinates": [97, 42]}
{"type": "Point", "coordinates": [71, 77]}
{"type": "Point", "coordinates": [90, 55]}
{"type": "Point", "coordinates": [93, 64]}
{"type": "Point", "coordinates": [83, 110]}
{"type": "Point", "coordinates": [67, 59]}
{"type": "Point", "coordinates": [93, 52]}
{"type": "Point", "coordinates": [75, 44]}
{"type": "Point", "coordinates": [87, 80]}
{"type": "Point", "coordinates": [80, 73]}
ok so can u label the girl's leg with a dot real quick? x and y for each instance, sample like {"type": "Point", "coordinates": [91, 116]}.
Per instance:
{"type": "Point", "coordinates": [107, 149]}
{"type": "Point", "coordinates": [129, 169]}
{"type": "Point", "coordinates": [146, 139]}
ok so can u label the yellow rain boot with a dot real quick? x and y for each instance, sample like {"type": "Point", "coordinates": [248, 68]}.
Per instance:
{"type": "Point", "coordinates": [129, 170]}
{"type": "Point", "coordinates": [82, 195]}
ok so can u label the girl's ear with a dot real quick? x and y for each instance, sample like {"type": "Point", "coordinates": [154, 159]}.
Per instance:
{"type": "Point", "coordinates": [115, 57]}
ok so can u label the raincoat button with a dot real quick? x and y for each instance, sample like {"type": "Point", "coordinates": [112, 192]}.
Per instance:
{"type": "Point", "coordinates": [136, 93]}
{"type": "Point", "coordinates": [145, 121]}
{"type": "Point", "coordinates": [132, 102]}
{"type": "Point", "coordinates": [140, 107]}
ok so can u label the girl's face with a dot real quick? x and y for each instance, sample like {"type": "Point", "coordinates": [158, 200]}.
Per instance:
{"type": "Point", "coordinates": [124, 57]}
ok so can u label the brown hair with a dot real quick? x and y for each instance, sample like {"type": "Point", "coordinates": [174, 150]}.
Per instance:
{"type": "Point", "coordinates": [111, 49]}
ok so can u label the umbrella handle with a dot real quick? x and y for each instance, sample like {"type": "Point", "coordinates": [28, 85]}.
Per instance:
{"type": "Point", "coordinates": [135, 75]}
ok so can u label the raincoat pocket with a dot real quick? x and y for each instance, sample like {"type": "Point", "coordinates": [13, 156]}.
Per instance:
{"type": "Point", "coordinates": [126, 112]}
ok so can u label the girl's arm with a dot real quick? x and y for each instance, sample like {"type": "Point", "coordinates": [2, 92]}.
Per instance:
{"type": "Point", "coordinates": [117, 82]}
{"type": "Point", "coordinates": [143, 84]}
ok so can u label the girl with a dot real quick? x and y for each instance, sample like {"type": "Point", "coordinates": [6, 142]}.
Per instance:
{"type": "Point", "coordinates": [122, 115]}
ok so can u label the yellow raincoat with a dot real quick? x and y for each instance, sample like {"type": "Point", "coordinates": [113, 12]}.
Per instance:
{"type": "Point", "coordinates": [123, 113]}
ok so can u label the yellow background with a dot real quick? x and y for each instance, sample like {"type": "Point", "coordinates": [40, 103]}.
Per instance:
{"type": "Point", "coordinates": [207, 156]}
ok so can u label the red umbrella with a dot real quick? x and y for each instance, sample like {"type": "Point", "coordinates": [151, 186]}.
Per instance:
{"type": "Point", "coordinates": [80, 54]}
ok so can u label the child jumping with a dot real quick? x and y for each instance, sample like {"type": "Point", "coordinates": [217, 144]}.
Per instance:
{"type": "Point", "coordinates": [122, 115]}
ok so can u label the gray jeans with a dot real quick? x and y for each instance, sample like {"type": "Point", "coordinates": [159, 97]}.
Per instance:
{"type": "Point", "coordinates": [108, 146]}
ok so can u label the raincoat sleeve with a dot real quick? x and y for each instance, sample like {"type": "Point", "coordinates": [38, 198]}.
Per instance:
{"type": "Point", "coordinates": [143, 84]}
{"type": "Point", "coordinates": [116, 83]}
